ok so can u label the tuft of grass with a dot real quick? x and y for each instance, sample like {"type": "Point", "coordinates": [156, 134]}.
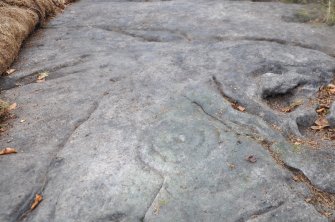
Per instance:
{"type": "Point", "coordinates": [3, 108]}
{"type": "Point", "coordinates": [330, 18]}
{"type": "Point", "coordinates": [320, 11]}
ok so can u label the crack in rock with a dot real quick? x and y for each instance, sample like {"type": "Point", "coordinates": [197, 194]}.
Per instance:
{"type": "Point", "coordinates": [274, 40]}
{"type": "Point", "coordinates": [25, 209]}
{"type": "Point", "coordinates": [151, 205]}
{"type": "Point", "coordinates": [260, 212]}
{"type": "Point", "coordinates": [30, 78]}
{"type": "Point", "coordinates": [319, 197]}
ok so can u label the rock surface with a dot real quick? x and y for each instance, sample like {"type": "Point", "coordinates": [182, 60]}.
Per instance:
{"type": "Point", "coordinates": [135, 122]}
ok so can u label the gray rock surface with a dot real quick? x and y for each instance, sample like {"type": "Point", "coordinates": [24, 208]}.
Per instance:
{"type": "Point", "coordinates": [331, 115]}
{"type": "Point", "coordinates": [135, 123]}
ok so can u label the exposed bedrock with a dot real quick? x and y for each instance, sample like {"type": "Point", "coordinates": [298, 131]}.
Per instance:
{"type": "Point", "coordinates": [169, 111]}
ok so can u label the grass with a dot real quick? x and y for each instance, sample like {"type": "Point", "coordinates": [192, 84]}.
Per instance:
{"type": "Point", "coordinates": [320, 11]}
{"type": "Point", "coordinates": [331, 12]}
{"type": "Point", "coordinates": [3, 108]}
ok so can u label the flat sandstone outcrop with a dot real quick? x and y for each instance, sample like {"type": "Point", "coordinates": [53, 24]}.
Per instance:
{"type": "Point", "coordinates": [169, 111]}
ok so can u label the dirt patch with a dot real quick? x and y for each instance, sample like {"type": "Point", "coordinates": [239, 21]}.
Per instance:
{"type": "Point", "coordinates": [322, 132]}
{"type": "Point", "coordinates": [18, 18]}
{"type": "Point", "coordinates": [323, 201]}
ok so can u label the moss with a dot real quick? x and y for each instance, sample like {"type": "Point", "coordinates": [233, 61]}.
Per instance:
{"type": "Point", "coordinates": [296, 148]}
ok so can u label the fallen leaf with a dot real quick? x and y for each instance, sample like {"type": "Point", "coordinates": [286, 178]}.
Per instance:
{"type": "Point", "coordinates": [251, 159]}
{"type": "Point", "coordinates": [320, 110]}
{"type": "Point", "coordinates": [332, 86]}
{"type": "Point", "coordinates": [325, 106]}
{"type": "Point", "coordinates": [238, 107]}
{"type": "Point", "coordinates": [41, 77]}
{"type": "Point", "coordinates": [327, 214]}
{"type": "Point", "coordinates": [286, 110]}
{"type": "Point", "coordinates": [308, 200]}
{"type": "Point", "coordinates": [241, 108]}
{"type": "Point", "coordinates": [296, 178]}
{"type": "Point", "coordinates": [12, 107]}
{"type": "Point", "coordinates": [293, 106]}
{"type": "Point", "coordinates": [10, 71]}
{"type": "Point", "coordinates": [7, 150]}
{"type": "Point", "coordinates": [231, 166]}
{"type": "Point", "coordinates": [322, 122]}
{"type": "Point", "coordinates": [316, 127]}
{"type": "Point", "coordinates": [37, 200]}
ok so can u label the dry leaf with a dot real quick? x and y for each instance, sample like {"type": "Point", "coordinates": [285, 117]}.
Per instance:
{"type": "Point", "coordinates": [296, 178]}
{"type": "Point", "coordinates": [292, 106]}
{"type": "Point", "coordinates": [332, 86]}
{"type": "Point", "coordinates": [308, 200]}
{"type": "Point", "coordinates": [322, 122]}
{"type": "Point", "coordinates": [327, 214]}
{"type": "Point", "coordinates": [251, 159]}
{"type": "Point", "coordinates": [320, 110]}
{"type": "Point", "coordinates": [41, 77]}
{"type": "Point", "coordinates": [241, 108]}
{"type": "Point", "coordinates": [238, 107]}
{"type": "Point", "coordinates": [10, 71]}
{"type": "Point", "coordinates": [231, 166]}
{"type": "Point", "coordinates": [7, 150]}
{"type": "Point", "coordinates": [12, 107]}
{"type": "Point", "coordinates": [286, 110]}
{"type": "Point", "coordinates": [37, 200]}
{"type": "Point", "coordinates": [316, 127]}
{"type": "Point", "coordinates": [325, 106]}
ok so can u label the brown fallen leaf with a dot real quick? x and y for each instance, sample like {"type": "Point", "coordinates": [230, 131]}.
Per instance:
{"type": "Point", "coordinates": [7, 150]}
{"type": "Point", "coordinates": [41, 77]}
{"type": "Point", "coordinates": [325, 106]}
{"type": "Point", "coordinates": [292, 106]}
{"type": "Point", "coordinates": [308, 200]}
{"type": "Point", "coordinates": [251, 159]}
{"type": "Point", "coordinates": [10, 71]}
{"type": "Point", "coordinates": [296, 178]}
{"type": "Point", "coordinates": [37, 200]}
{"type": "Point", "coordinates": [322, 122]}
{"type": "Point", "coordinates": [320, 110]}
{"type": "Point", "coordinates": [332, 86]}
{"type": "Point", "coordinates": [231, 166]}
{"type": "Point", "coordinates": [317, 127]}
{"type": "Point", "coordinates": [12, 107]}
{"type": "Point", "coordinates": [238, 107]}
{"type": "Point", "coordinates": [327, 214]}
{"type": "Point", "coordinates": [241, 108]}
{"type": "Point", "coordinates": [286, 110]}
